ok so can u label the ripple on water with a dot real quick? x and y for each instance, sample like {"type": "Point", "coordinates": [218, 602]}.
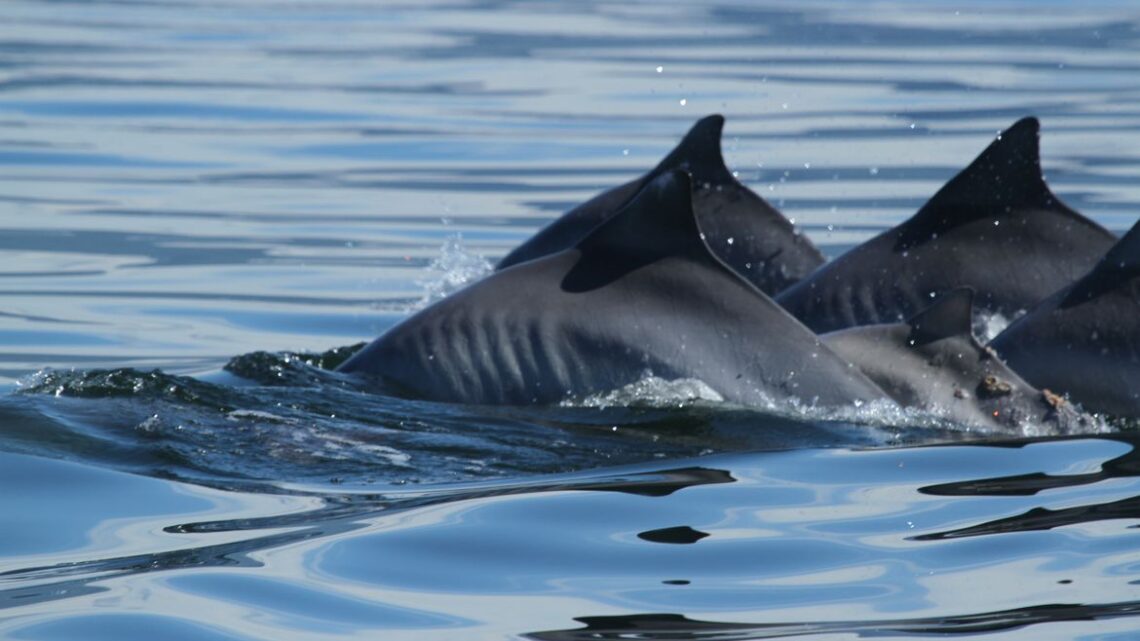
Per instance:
{"type": "Point", "coordinates": [180, 184]}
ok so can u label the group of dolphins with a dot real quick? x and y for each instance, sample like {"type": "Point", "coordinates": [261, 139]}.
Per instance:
{"type": "Point", "coordinates": [685, 273]}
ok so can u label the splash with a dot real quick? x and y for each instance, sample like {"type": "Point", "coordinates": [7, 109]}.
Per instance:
{"type": "Point", "coordinates": [651, 391]}
{"type": "Point", "coordinates": [987, 325]}
{"type": "Point", "coordinates": [454, 268]}
{"type": "Point", "coordinates": [886, 415]}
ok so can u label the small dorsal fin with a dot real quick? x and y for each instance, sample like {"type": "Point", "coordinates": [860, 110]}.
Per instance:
{"type": "Point", "coordinates": [657, 223]}
{"type": "Point", "coordinates": [1119, 266]}
{"type": "Point", "coordinates": [1004, 177]}
{"type": "Point", "coordinates": [699, 153]}
{"type": "Point", "coordinates": [950, 315]}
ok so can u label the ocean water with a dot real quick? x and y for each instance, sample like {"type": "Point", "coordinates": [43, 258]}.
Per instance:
{"type": "Point", "coordinates": [204, 205]}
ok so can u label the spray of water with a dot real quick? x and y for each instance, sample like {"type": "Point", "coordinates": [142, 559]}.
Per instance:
{"type": "Point", "coordinates": [455, 268]}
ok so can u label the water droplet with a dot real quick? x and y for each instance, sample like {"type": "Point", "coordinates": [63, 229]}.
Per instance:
{"type": "Point", "coordinates": [660, 68]}
{"type": "Point", "coordinates": [684, 102]}
{"type": "Point", "coordinates": [996, 223]}
{"type": "Point", "coordinates": [730, 240]}
{"type": "Point", "coordinates": [807, 165]}
{"type": "Point", "coordinates": [625, 152]}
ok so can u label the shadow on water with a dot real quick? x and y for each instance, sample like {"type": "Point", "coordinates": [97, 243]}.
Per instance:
{"type": "Point", "coordinates": [339, 514]}
{"type": "Point", "coordinates": [365, 521]}
{"type": "Point", "coordinates": [676, 627]}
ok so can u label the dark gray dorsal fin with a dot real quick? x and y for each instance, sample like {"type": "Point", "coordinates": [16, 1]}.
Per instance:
{"type": "Point", "coordinates": [699, 153]}
{"type": "Point", "coordinates": [1119, 266]}
{"type": "Point", "coordinates": [657, 223]}
{"type": "Point", "coordinates": [951, 314]}
{"type": "Point", "coordinates": [1004, 177]}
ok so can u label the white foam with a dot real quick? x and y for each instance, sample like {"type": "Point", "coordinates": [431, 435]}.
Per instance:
{"type": "Point", "coordinates": [652, 391]}
{"type": "Point", "coordinates": [987, 325]}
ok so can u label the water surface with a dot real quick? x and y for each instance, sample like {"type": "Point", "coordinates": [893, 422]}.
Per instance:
{"type": "Point", "coordinates": [186, 186]}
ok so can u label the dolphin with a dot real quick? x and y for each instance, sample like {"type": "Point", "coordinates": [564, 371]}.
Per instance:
{"type": "Point", "coordinates": [743, 230]}
{"type": "Point", "coordinates": [995, 227]}
{"type": "Point", "coordinates": [933, 363]}
{"type": "Point", "coordinates": [640, 294]}
{"type": "Point", "coordinates": [1084, 340]}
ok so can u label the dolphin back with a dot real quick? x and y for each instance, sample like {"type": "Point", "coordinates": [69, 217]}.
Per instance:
{"type": "Point", "coordinates": [748, 234]}
{"type": "Point", "coordinates": [995, 227]}
{"type": "Point", "coordinates": [1084, 340]}
{"type": "Point", "coordinates": [641, 294]}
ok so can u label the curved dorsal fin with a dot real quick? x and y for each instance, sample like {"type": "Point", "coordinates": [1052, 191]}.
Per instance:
{"type": "Point", "coordinates": [1120, 265]}
{"type": "Point", "coordinates": [657, 223]}
{"type": "Point", "coordinates": [1004, 177]}
{"type": "Point", "coordinates": [698, 153]}
{"type": "Point", "coordinates": [950, 315]}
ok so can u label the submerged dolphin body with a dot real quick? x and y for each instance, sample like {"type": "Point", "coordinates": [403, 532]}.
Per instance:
{"type": "Point", "coordinates": [743, 230]}
{"type": "Point", "coordinates": [1084, 340]}
{"type": "Point", "coordinates": [933, 363]}
{"type": "Point", "coordinates": [995, 227]}
{"type": "Point", "coordinates": [641, 293]}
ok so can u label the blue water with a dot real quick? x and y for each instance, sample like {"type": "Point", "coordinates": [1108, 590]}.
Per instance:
{"type": "Point", "coordinates": [198, 201]}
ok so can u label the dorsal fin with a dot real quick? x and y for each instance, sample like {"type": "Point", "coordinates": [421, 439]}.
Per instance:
{"type": "Point", "coordinates": [950, 315]}
{"type": "Point", "coordinates": [1003, 178]}
{"type": "Point", "coordinates": [1120, 265]}
{"type": "Point", "coordinates": [699, 153]}
{"type": "Point", "coordinates": [657, 223]}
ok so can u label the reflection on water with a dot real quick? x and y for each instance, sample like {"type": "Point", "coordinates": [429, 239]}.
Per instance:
{"type": "Point", "coordinates": [745, 546]}
{"type": "Point", "coordinates": [198, 202]}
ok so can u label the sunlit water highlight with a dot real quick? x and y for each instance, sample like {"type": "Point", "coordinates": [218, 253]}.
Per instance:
{"type": "Point", "coordinates": [204, 206]}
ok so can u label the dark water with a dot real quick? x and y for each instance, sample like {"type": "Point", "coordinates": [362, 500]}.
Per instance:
{"type": "Point", "coordinates": [199, 200]}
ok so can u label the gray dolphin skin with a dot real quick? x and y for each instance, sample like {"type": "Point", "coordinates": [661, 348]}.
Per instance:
{"type": "Point", "coordinates": [641, 293]}
{"type": "Point", "coordinates": [742, 229]}
{"type": "Point", "coordinates": [995, 227]}
{"type": "Point", "coordinates": [933, 363]}
{"type": "Point", "coordinates": [1084, 340]}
